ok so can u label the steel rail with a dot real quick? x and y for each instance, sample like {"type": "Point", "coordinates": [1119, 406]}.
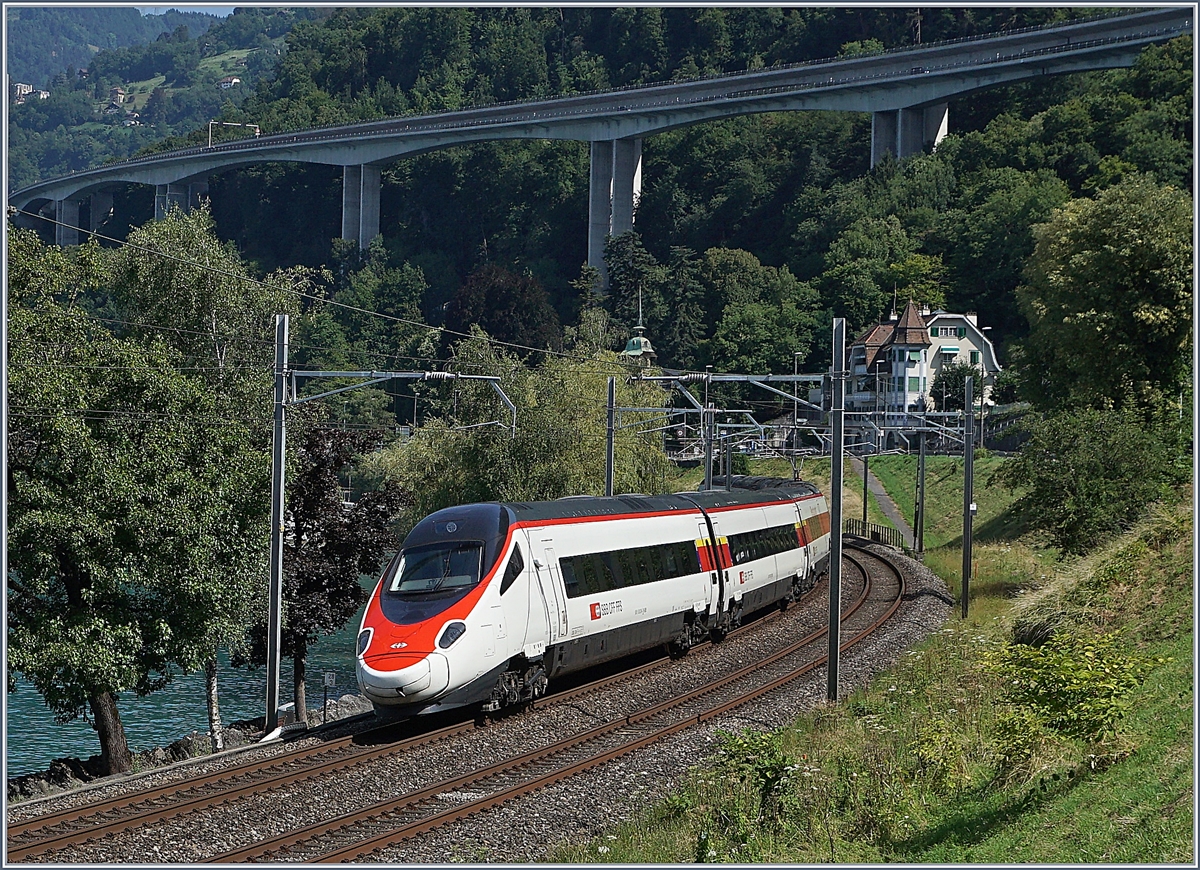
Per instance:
{"type": "Point", "coordinates": [400, 827]}
{"type": "Point", "coordinates": [90, 822]}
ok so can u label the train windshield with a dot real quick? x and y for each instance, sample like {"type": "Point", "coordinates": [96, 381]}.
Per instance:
{"type": "Point", "coordinates": [452, 566]}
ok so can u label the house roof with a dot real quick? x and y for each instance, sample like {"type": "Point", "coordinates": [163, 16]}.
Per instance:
{"type": "Point", "coordinates": [911, 327]}
{"type": "Point", "coordinates": [908, 330]}
{"type": "Point", "coordinates": [874, 339]}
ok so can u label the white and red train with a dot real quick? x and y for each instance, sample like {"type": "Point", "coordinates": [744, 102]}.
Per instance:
{"type": "Point", "coordinates": [485, 603]}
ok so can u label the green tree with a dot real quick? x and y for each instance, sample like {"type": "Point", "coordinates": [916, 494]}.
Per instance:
{"type": "Point", "coordinates": [558, 448]}
{"type": "Point", "coordinates": [635, 282]}
{"type": "Point", "coordinates": [131, 491]}
{"type": "Point", "coordinates": [987, 238]}
{"type": "Point", "coordinates": [514, 308]}
{"type": "Point", "coordinates": [1108, 297]}
{"type": "Point", "coordinates": [200, 300]}
{"type": "Point", "coordinates": [1086, 475]}
{"type": "Point", "coordinates": [858, 282]}
{"type": "Point", "coordinates": [949, 387]}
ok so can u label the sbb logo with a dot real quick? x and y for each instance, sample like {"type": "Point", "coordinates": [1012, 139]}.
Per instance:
{"type": "Point", "coordinates": [608, 608]}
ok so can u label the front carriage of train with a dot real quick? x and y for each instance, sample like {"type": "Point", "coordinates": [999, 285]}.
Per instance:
{"type": "Point", "coordinates": [435, 635]}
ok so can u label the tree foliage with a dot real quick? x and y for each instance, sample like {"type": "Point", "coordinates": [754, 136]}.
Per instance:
{"type": "Point", "coordinates": [134, 499]}
{"type": "Point", "coordinates": [949, 387]}
{"type": "Point", "coordinates": [510, 308]}
{"type": "Point", "coordinates": [1109, 298]}
{"type": "Point", "coordinates": [559, 444]}
{"type": "Point", "coordinates": [43, 40]}
{"type": "Point", "coordinates": [328, 545]}
{"type": "Point", "coordinates": [1086, 475]}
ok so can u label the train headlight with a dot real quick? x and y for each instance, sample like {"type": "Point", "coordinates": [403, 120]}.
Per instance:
{"type": "Point", "coordinates": [364, 640]}
{"type": "Point", "coordinates": [451, 633]}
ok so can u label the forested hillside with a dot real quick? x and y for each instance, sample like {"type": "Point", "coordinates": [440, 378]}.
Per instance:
{"type": "Point", "coordinates": [44, 42]}
{"type": "Point", "coordinates": [170, 87]}
{"type": "Point", "coordinates": [789, 194]}
{"type": "Point", "coordinates": [751, 233]}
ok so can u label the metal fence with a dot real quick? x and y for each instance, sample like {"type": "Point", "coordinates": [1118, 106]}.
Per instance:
{"type": "Point", "coordinates": [873, 532]}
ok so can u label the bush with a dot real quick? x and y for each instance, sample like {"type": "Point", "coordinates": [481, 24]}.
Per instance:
{"type": "Point", "coordinates": [1088, 475]}
{"type": "Point", "coordinates": [1076, 686]}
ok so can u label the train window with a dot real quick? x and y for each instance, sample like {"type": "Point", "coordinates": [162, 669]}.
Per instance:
{"type": "Point", "coordinates": [628, 568]}
{"type": "Point", "coordinates": [762, 543]}
{"type": "Point", "coordinates": [592, 573]}
{"type": "Point", "coordinates": [515, 566]}
{"type": "Point", "coordinates": [609, 572]}
{"type": "Point", "coordinates": [658, 561]}
{"type": "Point", "coordinates": [440, 566]}
{"type": "Point", "coordinates": [570, 581]}
{"type": "Point", "coordinates": [670, 560]}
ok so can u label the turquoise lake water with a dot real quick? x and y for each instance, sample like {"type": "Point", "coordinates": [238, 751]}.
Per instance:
{"type": "Point", "coordinates": [35, 739]}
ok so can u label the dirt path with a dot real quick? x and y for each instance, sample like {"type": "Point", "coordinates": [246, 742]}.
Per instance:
{"type": "Point", "coordinates": [885, 502]}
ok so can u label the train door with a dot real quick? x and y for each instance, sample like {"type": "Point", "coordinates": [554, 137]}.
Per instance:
{"type": "Point", "coordinates": [553, 595]}
{"type": "Point", "coordinates": [711, 562]}
{"type": "Point", "coordinates": [560, 592]}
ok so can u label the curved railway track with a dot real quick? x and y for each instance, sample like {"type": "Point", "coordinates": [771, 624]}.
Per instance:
{"type": "Point", "coordinates": [41, 834]}
{"type": "Point", "coordinates": [370, 828]}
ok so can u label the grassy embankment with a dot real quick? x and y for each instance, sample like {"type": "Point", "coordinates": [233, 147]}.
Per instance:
{"type": "Point", "coordinates": [937, 761]}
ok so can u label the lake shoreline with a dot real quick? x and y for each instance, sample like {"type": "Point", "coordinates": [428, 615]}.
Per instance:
{"type": "Point", "coordinates": [70, 774]}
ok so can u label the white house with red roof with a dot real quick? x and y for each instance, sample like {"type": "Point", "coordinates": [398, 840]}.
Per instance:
{"type": "Point", "coordinates": [893, 364]}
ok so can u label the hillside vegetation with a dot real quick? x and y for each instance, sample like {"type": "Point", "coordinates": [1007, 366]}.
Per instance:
{"type": "Point", "coordinates": [946, 758]}
{"type": "Point", "coordinates": [43, 43]}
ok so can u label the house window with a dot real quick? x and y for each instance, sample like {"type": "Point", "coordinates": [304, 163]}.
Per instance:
{"type": "Point", "coordinates": [936, 331]}
{"type": "Point", "coordinates": [962, 332]}
{"type": "Point", "coordinates": [914, 385]}
{"type": "Point", "coordinates": [914, 356]}
{"type": "Point", "coordinates": [974, 357]}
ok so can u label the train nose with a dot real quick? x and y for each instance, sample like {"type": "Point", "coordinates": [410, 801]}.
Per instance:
{"type": "Point", "coordinates": [403, 679]}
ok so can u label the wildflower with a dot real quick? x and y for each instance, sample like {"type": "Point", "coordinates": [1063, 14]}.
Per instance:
{"type": "Point", "coordinates": [603, 850]}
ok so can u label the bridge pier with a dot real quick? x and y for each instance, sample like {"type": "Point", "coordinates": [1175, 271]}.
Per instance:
{"type": "Point", "coordinates": [905, 132]}
{"type": "Point", "coordinates": [66, 230]}
{"type": "Point", "coordinates": [627, 183]}
{"type": "Point", "coordinates": [168, 195]}
{"type": "Point", "coordinates": [361, 186]}
{"type": "Point", "coordinates": [614, 188]}
{"type": "Point", "coordinates": [99, 208]}
{"type": "Point", "coordinates": [599, 205]}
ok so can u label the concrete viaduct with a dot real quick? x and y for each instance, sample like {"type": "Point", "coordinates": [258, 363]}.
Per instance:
{"type": "Point", "coordinates": [906, 92]}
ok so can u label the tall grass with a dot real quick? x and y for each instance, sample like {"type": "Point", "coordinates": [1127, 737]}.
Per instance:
{"type": "Point", "coordinates": [937, 761]}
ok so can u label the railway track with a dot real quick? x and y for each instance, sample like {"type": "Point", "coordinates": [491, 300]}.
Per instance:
{"type": "Point", "coordinates": [87, 823]}
{"type": "Point", "coordinates": [373, 827]}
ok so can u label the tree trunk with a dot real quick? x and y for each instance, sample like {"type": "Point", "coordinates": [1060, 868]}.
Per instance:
{"type": "Point", "coordinates": [298, 662]}
{"type": "Point", "coordinates": [215, 733]}
{"type": "Point", "coordinates": [106, 719]}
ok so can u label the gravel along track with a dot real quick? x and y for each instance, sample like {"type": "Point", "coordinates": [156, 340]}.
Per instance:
{"type": "Point", "coordinates": [526, 829]}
